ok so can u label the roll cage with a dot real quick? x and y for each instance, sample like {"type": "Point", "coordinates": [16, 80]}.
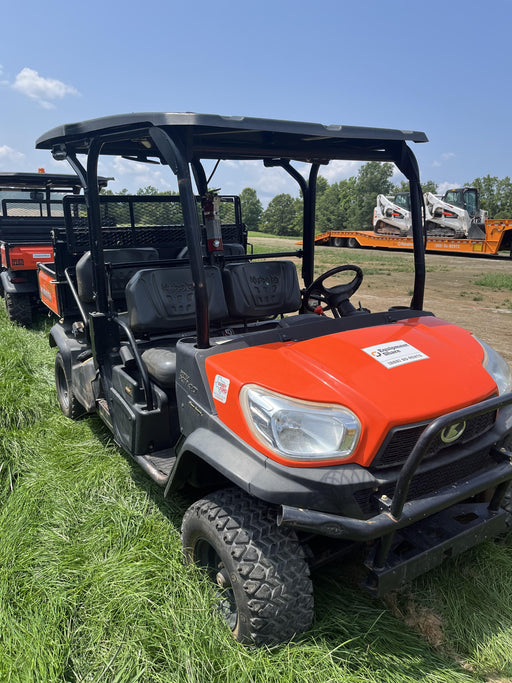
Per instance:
{"type": "Point", "coordinates": [183, 140]}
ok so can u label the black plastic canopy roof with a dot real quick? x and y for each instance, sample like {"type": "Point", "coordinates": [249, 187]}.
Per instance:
{"type": "Point", "coordinates": [43, 181]}
{"type": "Point", "coordinates": [207, 136]}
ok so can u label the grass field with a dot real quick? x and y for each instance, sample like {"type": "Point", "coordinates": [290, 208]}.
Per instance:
{"type": "Point", "coordinates": [92, 585]}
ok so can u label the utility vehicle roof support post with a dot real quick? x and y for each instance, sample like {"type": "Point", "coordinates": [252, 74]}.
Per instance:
{"type": "Point", "coordinates": [308, 189]}
{"type": "Point", "coordinates": [94, 215]}
{"type": "Point", "coordinates": [199, 176]}
{"type": "Point", "coordinates": [406, 161]}
{"type": "Point", "coordinates": [308, 261]}
{"type": "Point", "coordinates": [419, 244]}
{"type": "Point", "coordinates": [174, 157]}
{"type": "Point", "coordinates": [77, 168]}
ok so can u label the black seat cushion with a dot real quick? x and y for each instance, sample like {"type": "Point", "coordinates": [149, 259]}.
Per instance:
{"type": "Point", "coordinates": [161, 300]}
{"type": "Point", "coordinates": [258, 289]}
{"type": "Point", "coordinates": [161, 365]}
{"type": "Point", "coordinates": [120, 276]}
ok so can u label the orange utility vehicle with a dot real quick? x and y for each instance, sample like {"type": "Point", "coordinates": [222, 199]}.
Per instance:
{"type": "Point", "coordinates": [31, 207]}
{"type": "Point", "coordinates": [305, 425]}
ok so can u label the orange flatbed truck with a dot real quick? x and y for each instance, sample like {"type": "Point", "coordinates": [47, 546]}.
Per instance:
{"type": "Point", "coordinates": [497, 238]}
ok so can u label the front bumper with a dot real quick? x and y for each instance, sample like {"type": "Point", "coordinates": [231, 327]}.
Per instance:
{"type": "Point", "coordinates": [349, 529]}
{"type": "Point", "coordinates": [415, 535]}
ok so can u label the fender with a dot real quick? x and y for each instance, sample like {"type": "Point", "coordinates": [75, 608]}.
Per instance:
{"type": "Point", "coordinates": [211, 452]}
{"type": "Point", "coordinates": [16, 287]}
{"type": "Point", "coordinates": [67, 347]}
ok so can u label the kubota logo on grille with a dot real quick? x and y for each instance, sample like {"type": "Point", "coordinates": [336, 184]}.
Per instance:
{"type": "Point", "coordinates": [453, 432]}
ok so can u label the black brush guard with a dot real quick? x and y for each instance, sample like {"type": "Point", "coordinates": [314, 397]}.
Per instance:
{"type": "Point", "coordinates": [416, 535]}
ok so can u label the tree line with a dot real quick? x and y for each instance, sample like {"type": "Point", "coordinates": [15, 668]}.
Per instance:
{"type": "Point", "coordinates": [348, 204]}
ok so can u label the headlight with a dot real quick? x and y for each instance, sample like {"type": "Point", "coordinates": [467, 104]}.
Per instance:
{"type": "Point", "coordinates": [497, 367]}
{"type": "Point", "coordinates": [301, 430]}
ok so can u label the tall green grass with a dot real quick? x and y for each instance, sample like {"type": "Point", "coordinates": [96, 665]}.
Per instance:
{"type": "Point", "coordinates": [92, 585]}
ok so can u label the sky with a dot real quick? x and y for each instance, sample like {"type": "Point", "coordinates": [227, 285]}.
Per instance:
{"type": "Point", "coordinates": [444, 68]}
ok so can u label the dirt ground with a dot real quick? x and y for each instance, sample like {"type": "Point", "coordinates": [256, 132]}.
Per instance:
{"type": "Point", "coordinates": [451, 291]}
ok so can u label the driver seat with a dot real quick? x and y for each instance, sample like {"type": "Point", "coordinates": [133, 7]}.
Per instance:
{"type": "Point", "coordinates": [256, 290]}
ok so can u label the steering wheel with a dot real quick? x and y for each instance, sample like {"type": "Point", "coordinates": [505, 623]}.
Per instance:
{"type": "Point", "coordinates": [335, 299]}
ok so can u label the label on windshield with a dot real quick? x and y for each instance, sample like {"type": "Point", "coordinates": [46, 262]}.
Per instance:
{"type": "Point", "coordinates": [393, 354]}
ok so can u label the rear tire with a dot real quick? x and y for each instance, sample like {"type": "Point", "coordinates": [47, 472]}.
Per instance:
{"type": "Point", "coordinates": [352, 243]}
{"type": "Point", "coordinates": [69, 404]}
{"type": "Point", "coordinates": [258, 569]}
{"type": "Point", "coordinates": [19, 308]}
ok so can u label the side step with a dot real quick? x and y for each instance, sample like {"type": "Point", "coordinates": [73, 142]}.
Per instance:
{"type": "Point", "coordinates": [426, 544]}
{"type": "Point", "coordinates": [158, 465]}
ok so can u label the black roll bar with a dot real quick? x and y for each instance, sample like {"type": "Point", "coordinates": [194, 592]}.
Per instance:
{"type": "Point", "coordinates": [408, 165]}
{"type": "Point", "coordinates": [174, 157]}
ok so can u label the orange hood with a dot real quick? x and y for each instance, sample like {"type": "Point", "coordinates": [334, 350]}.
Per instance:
{"type": "Point", "coordinates": [389, 375]}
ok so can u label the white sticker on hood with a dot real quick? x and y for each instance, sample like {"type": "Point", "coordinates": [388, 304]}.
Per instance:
{"type": "Point", "coordinates": [220, 388]}
{"type": "Point", "coordinates": [393, 354]}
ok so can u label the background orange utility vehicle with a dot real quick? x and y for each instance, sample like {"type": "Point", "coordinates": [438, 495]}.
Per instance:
{"type": "Point", "coordinates": [30, 208]}
{"type": "Point", "coordinates": [302, 433]}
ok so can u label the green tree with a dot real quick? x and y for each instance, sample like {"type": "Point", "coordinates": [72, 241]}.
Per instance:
{"type": "Point", "coordinates": [427, 186]}
{"type": "Point", "coordinates": [252, 209]}
{"type": "Point", "coordinates": [372, 179]}
{"type": "Point", "coordinates": [281, 216]}
{"type": "Point", "coordinates": [495, 195]}
{"type": "Point", "coordinates": [149, 189]}
{"type": "Point", "coordinates": [322, 185]}
{"type": "Point", "coordinates": [334, 204]}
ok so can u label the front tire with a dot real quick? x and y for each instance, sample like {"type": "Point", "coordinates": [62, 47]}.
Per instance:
{"type": "Point", "coordinates": [68, 402]}
{"type": "Point", "coordinates": [258, 569]}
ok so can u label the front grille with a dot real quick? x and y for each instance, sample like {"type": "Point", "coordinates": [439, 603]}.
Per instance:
{"type": "Point", "coordinates": [401, 440]}
{"type": "Point", "coordinates": [427, 482]}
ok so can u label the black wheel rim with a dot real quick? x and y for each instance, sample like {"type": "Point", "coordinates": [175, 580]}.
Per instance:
{"type": "Point", "coordinates": [62, 388]}
{"type": "Point", "coordinates": [205, 555]}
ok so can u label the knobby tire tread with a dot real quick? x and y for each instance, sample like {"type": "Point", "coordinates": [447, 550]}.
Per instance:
{"type": "Point", "coordinates": [270, 563]}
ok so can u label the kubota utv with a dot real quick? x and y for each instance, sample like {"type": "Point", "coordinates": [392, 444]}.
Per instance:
{"type": "Point", "coordinates": [30, 208]}
{"type": "Point", "coordinates": [306, 424]}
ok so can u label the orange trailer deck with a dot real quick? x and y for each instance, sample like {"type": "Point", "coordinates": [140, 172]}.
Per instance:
{"type": "Point", "coordinates": [498, 237]}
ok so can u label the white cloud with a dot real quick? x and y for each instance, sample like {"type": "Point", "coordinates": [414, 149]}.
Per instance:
{"type": "Point", "coordinates": [443, 187]}
{"type": "Point", "coordinates": [446, 156]}
{"type": "Point", "coordinates": [10, 157]}
{"type": "Point", "coordinates": [44, 90]}
{"type": "Point", "coordinates": [133, 175]}
{"type": "Point", "coordinates": [339, 169]}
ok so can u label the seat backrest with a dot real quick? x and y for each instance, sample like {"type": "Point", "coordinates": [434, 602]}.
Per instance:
{"type": "Point", "coordinates": [120, 276]}
{"type": "Point", "coordinates": [161, 300]}
{"type": "Point", "coordinates": [258, 289]}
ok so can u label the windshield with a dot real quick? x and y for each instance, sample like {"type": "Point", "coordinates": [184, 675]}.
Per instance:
{"type": "Point", "coordinates": [455, 197]}
{"type": "Point", "coordinates": [403, 199]}
{"type": "Point", "coordinates": [464, 199]}
{"type": "Point", "coordinates": [471, 197]}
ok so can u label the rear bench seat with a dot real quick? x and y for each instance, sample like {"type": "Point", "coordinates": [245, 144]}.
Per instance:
{"type": "Point", "coordinates": [119, 276]}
